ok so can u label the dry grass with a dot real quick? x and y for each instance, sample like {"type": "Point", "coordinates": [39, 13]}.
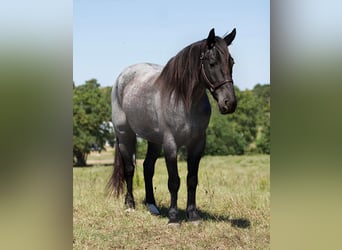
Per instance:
{"type": "Point", "coordinates": [106, 157]}
{"type": "Point", "coordinates": [233, 197]}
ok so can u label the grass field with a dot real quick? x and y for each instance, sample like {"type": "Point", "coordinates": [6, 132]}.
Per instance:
{"type": "Point", "coordinates": [233, 197]}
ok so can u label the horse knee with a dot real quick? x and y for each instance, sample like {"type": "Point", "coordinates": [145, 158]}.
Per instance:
{"type": "Point", "coordinates": [129, 170]}
{"type": "Point", "coordinates": [174, 183]}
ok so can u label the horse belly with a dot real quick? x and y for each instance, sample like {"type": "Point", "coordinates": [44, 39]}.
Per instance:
{"type": "Point", "coordinates": [185, 126]}
{"type": "Point", "coordinates": [185, 131]}
{"type": "Point", "coordinates": [145, 124]}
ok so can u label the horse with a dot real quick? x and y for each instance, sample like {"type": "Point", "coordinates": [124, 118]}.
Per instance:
{"type": "Point", "coordinates": [169, 107]}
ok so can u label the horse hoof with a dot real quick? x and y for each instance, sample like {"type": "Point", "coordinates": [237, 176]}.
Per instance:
{"type": "Point", "coordinates": [130, 210]}
{"type": "Point", "coordinates": [153, 209]}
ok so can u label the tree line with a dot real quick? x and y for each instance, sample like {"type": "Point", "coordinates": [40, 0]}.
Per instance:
{"type": "Point", "coordinates": [247, 131]}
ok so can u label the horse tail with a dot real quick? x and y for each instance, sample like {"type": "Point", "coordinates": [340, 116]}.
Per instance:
{"type": "Point", "coordinates": [116, 182]}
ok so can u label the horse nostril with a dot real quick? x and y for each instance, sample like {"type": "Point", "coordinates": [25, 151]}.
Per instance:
{"type": "Point", "coordinates": [229, 106]}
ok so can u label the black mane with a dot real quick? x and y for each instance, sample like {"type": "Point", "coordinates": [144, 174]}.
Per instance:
{"type": "Point", "coordinates": [180, 76]}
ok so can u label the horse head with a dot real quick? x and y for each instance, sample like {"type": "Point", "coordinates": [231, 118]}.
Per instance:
{"type": "Point", "coordinates": [216, 70]}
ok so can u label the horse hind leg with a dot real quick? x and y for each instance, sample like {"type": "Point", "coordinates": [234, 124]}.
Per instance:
{"type": "Point", "coordinates": [153, 151]}
{"type": "Point", "coordinates": [127, 147]}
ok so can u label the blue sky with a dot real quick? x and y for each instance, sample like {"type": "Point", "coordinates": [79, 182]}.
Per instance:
{"type": "Point", "coordinates": [110, 35]}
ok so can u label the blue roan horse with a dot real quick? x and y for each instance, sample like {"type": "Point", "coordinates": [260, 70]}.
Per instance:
{"type": "Point", "coordinates": [169, 107]}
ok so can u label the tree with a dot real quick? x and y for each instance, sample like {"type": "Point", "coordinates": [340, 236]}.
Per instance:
{"type": "Point", "coordinates": [222, 135]}
{"type": "Point", "coordinates": [263, 94]}
{"type": "Point", "coordinates": [91, 116]}
{"type": "Point", "coordinates": [245, 117]}
{"type": "Point", "coordinates": [233, 134]}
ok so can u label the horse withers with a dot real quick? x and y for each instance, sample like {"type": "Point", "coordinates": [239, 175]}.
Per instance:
{"type": "Point", "coordinates": [169, 107]}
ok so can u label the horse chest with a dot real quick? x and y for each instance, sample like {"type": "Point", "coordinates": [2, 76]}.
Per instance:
{"type": "Point", "coordinates": [184, 127]}
{"type": "Point", "coordinates": [181, 128]}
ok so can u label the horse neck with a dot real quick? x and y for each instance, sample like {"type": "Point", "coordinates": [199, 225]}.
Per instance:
{"type": "Point", "coordinates": [198, 94]}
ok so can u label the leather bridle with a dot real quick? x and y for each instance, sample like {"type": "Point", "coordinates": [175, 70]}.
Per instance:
{"type": "Point", "coordinates": [212, 86]}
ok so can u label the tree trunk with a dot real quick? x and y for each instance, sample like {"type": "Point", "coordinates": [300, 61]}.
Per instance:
{"type": "Point", "coordinates": [80, 158]}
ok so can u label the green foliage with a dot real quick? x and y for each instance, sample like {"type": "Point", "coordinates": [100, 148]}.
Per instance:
{"type": "Point", "coordinates": [141, 148]}
{"type": "Point", "coordinates": [247, 130]}
{"type": "Point", "coordinates": [263, 94]}
{"type": "Point", "coordinates": [91, 116]}
{"type": "Point", "coordinates": [224, 137]}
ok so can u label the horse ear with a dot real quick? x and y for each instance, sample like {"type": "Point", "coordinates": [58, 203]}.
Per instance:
{"type": "Point", "coordinates": [230, 37]}
{"type": "Point", "coordinates": [211, 39]}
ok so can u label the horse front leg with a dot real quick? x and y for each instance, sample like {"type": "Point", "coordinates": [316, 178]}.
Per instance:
{"type": "Point", "coordinates": [170, 150]}
{"type": "Point", "coordinates": [195, 151]}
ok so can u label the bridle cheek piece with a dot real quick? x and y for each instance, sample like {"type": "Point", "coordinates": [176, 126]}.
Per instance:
{"type": "Point", "coordinates": [212, 86]}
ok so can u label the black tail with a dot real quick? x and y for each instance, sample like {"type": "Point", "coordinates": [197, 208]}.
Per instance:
{"type": "Point", "coordinates": [116, 182]}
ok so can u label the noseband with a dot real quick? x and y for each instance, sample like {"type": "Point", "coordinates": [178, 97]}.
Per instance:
{"type": "Point", "coordinates": [212, 86]}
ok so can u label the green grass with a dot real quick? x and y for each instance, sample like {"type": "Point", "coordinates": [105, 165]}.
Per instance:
{"type": "Point", "coordinates": [233, 197]}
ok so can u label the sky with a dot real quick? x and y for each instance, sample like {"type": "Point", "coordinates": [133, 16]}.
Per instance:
{"type": "Point", "coordinates": [109, 35]}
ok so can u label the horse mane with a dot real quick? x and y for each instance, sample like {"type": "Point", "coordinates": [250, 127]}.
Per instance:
{"type": "Point", "coordinates": [180, 76]}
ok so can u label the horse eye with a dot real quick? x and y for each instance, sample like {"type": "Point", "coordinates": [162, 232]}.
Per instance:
{"type": "Point", "coordinates": [212, 62]}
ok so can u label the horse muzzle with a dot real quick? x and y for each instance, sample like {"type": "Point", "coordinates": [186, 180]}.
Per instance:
{"type": "Point", "coordinates": [227, 106]}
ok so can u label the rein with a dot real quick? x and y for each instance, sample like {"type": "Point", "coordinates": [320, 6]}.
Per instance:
{"type": "Point", "coordinates": [212, 86]}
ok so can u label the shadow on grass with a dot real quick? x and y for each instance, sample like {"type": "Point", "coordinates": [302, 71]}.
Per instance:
{"type": "Point", "coordinates": [206, 216]}
{"type": "Point", "coordinates": [93, 165]}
